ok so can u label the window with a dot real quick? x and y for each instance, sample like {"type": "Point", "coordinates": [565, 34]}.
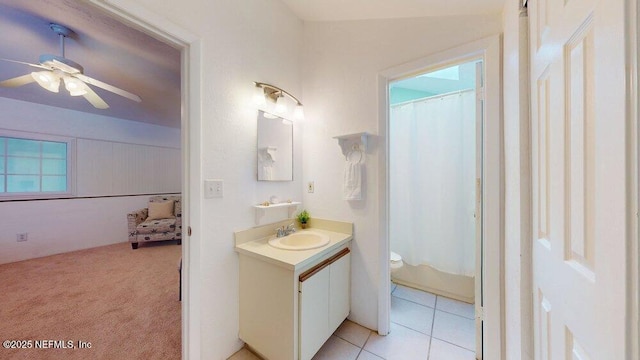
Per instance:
{"type": "Point", "coordinates": [34, 167]}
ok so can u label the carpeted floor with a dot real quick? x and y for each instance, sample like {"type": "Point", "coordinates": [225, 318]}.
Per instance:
{"type": "Point", "coordinates": [122, 301]}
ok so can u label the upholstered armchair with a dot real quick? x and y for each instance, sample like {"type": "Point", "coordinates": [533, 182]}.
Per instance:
{"type": "Point", "coordinates": [158, 222]}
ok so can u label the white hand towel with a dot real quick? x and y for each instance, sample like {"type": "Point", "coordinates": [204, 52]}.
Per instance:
{"type": "Point", "coordinates": [352, 186]}
{"type": "Point", "coordinates": [267, 172]}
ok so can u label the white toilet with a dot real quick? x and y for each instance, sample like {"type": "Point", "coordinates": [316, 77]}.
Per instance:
{"type": "Point", "coordinates": [395, 261]}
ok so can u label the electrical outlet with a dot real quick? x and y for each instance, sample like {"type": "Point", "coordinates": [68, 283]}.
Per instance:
{"type": "Point", "coordinates": [310, 187]}
{"type": "Point", "coordinates": [22, 237]}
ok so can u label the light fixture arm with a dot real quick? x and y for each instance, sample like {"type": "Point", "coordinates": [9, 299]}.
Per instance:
{"type": "Point", "coordinates": [274, 92]}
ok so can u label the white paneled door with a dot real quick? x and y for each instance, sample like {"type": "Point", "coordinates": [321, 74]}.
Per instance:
{"type": "Point", "coordinates": [578, 178]}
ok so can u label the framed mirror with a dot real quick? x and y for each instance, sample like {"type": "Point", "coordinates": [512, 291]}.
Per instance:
{"type": "Point", "coordinates": [275, 148]}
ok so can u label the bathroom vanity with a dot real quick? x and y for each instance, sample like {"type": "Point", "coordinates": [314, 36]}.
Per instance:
{"type": "Point", "coordinates": [291, 301]}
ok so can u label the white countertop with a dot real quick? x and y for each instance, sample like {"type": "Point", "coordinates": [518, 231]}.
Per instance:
{"type": "Point", "coordinates": [293, 259]}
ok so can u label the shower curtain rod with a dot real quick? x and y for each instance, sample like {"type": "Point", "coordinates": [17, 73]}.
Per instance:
{"type": "Point", "coordinates": [457, 92]}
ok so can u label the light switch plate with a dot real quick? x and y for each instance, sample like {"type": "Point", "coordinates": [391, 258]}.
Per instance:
{"type": "Point", "coordinates": [213, 188]}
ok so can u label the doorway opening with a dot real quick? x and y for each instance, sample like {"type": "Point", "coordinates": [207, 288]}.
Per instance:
{"type": "Point", "coordinates": [490, 332]}
{"type": "Point", "coordinates": [190, 120]}
{"type": "Point", "coordinates": [99, 159]}
{"type": "Point", "coordinates": [435, 173]}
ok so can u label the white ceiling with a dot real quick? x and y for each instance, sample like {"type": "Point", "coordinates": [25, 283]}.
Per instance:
{"type": "Point", "coordinates": [337, 10]}
{"type": "Point", "coordinates": [108, 50]}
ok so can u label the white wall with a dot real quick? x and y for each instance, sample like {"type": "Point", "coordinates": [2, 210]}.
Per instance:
{"type": "Point", "coordinates": [240, 42]}
{"type": "Point", "coordinates": [341, 62]}
{"type": "Point", "coordinates": [57, 226]}
{"type": "Point", "coordinates": [518, 307]}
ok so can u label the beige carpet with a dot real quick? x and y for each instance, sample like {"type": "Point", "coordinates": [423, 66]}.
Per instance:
{"type": "Point", "coordinates": [123, 301]}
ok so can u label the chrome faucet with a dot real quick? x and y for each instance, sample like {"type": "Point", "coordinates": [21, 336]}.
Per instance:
{"type": "Point", "coordinates": [284, 231]}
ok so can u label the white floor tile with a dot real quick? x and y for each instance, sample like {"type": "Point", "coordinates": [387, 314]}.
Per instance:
{"type": "Point", "coordinates": [441, 350]}
{"type": "Point", "coordinates": [417, 296]}
{"type": "Point", "coordinates": [336, 348]}
{"type": "Point", "coordinates": [401, 344]}
{"type": "Point", "coordinates": [365, 355]}
{"type": "Point", "coordinates": [243, 354]}
{"type": "Point", "coordinates": [411, 315]}
{"type": "Point", "coordinates": [353, 333]}
{"type": "Point", "coordinates": [454, 329]}
{"type": "Point", "coordinates": [456, 307]}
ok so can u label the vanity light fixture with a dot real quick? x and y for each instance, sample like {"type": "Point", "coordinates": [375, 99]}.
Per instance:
{"type": "Point", "coordinates": [298, 113]}
{"type": "Point", "coordinates": [258, 96]}
{"type": "Point", "coordinates": [264, 91]}
{"type": "Point", "coordinates": [281, 107]}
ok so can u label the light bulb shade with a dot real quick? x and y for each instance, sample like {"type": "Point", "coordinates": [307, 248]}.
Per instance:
{"type": "Point", "coordinates": [76, 87]}
{"type": "Point", "coordinates": [47, 80]}
{"type": "Point", "coordinates": [281, 107]}
{"type": "Point", "coordinates": [298, 113]}
{"type": "Point", "coordinates": [258, 96]}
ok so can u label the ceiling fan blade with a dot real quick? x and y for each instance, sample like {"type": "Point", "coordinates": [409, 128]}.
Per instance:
{"type": "Point", "coordinates": [26, 63]}
{"type": "Point", "coordinates": [108, 87]}
{"type": "Point", "coordinates": [18, 81]}
{"type": "Point", "coordinates": [94, 99]}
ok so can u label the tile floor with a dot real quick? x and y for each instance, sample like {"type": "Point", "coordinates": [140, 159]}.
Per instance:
{"type": "Point", "coordinates": [423, 326]}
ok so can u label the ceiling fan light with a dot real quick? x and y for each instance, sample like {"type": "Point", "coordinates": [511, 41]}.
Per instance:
{"type": "Point", "coordinates": [74, 86]}
{"type": "Point", "coordinates": [47, 80]}
{"type": "Point", "coordinates": [281, 107]}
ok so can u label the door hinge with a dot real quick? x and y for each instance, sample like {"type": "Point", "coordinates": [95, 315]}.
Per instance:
{"type": "Point", "coordinates": [480, 94]}
{"type": "Point", "coordinates": [480, 313]}
{"type": "Point", "coordinates": [188, 230]}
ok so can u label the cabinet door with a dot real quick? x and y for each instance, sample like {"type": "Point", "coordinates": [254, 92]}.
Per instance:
{"type": "Point", "coordinates": [314, 304]}
{"type": "Point", "coordinates": [339, 286]}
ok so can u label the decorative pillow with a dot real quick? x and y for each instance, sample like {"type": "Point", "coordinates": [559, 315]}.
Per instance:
{"type": "Point", "coordinates": [160, 210]}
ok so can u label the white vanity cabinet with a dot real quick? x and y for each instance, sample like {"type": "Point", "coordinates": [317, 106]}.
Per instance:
{"type": "Point", "coordinates": [323, 301]}
{"type": "Point", "coordinates": [288, 314]}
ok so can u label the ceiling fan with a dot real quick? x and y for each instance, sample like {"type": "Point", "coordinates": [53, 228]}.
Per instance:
{"type": "Point", "coordinates": [55, 69]}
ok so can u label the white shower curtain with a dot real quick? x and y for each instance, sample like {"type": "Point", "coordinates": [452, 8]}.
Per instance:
{"type": "Point", "coordinates": [432, 182]}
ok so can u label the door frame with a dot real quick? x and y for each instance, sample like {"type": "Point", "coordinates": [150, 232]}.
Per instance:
{"type": "Point", "coordinates": [189, 45]}
{"type": "Point", "coordinates": [493, 185]}
{"type": "Point", "coordinates": [633, 164]}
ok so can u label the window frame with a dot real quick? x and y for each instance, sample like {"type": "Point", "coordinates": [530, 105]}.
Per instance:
{"type": "Point", "coordinates": [40, 195]}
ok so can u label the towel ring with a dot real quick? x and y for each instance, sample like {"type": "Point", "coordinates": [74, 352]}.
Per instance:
{"type": "Point", "coordinates": [354, 150]}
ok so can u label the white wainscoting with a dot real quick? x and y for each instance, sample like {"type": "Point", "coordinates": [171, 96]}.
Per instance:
{"type": "Point", "coordinates": [111, 168]}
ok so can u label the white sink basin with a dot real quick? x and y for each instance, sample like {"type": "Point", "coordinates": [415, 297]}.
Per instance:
{"type": "Point", "coordinates": [303, 240]}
